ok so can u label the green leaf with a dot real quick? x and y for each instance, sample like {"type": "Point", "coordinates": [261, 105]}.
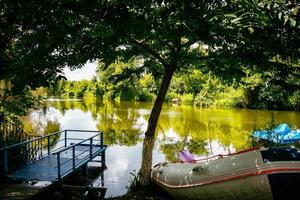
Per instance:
{"type": "Point", "coordinates": [230, 15]}
{"type": "Point", "coordinates": [236, 20]}
{"type": "Point", "coordinates": [250, 29]}
{"type": "Point", "coordinates": [292, 22]}
{"type": "Point", "coordinates": [279, 15]}
{"type": "Point", "coordinates": [286, 18]}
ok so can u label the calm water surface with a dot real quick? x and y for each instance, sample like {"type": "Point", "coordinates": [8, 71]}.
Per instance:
{"type": "Point", "coordinates": [202, 131]}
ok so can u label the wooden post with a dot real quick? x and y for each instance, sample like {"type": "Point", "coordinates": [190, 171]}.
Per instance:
{"type": "Point", "coordinates": [58, 166]}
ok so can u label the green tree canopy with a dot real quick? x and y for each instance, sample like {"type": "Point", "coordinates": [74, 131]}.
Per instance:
{"type": "Point", "coordinates": [39, 38]}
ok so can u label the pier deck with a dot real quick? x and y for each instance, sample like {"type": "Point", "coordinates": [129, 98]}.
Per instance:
{"type": "Point", "coordinates": [51, 157]}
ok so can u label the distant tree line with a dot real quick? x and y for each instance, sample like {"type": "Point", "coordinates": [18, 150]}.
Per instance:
{"type": "Point", "coordinates": [259, 90]}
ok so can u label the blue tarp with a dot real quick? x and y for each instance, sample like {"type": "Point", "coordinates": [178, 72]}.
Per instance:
{"type": "Point", "coordinates": [281, 134]}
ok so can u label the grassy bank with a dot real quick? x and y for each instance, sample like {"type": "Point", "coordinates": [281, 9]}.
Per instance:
{"type": "Point", "coordinates": [151, 192]}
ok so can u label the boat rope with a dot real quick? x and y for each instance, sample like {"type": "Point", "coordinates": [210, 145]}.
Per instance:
{"type": "Point", "coordinates": [219, 155]}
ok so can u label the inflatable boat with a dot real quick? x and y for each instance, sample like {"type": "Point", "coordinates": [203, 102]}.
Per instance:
{"type": "Point", "coordinates": [264, 174]}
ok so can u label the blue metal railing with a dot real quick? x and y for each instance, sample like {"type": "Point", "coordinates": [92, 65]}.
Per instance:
{"type": "Point", "coordinates": [17, 155]}
{"type": "Point", "coordinates": [11, 132]}
{"type": "Point", "coordinates": [24, 153]}
{"type": "Point", "coordinates": [90, 146]}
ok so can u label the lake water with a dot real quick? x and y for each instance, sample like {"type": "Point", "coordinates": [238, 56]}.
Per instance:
{"type": "Point", "coordinates": [203, 132]}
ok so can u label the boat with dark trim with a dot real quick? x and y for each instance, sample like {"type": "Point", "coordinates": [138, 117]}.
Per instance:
{"type": "Point", "coordinates": [259, 173]}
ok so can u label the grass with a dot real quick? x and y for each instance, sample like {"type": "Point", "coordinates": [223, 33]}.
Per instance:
{"type": "Point", "coordinates": [138, 192]}
{"type": "Point", "coordinates": [150, 192]}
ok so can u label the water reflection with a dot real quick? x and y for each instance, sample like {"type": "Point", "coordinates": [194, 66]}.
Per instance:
{"type": "Point", "coordinates": [201, 131]}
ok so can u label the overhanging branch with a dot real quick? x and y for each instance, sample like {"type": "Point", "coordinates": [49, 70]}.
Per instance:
{"type": "Point", "coordinates": [150, 51]}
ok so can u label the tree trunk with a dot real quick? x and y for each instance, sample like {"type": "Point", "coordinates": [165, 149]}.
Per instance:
{"type": "Point", "coordinates": [148, 143]}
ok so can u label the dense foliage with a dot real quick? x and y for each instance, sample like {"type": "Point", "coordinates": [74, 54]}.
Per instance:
{"type": "Point", "coordinates": [17, 104]}
{"type": "Point", "coordinates": [39, 38]}
{"type": "Point", "coordinates": [268, 90]}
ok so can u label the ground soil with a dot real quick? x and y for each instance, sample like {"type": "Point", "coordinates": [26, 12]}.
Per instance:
{"type": "Point", "coordinates": [151, 192]}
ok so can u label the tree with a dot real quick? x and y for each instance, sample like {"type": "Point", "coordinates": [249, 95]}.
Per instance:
{"type": "Point", "coordinates": [119, 79]}
{"type": "Point", "coordinates": [42, 37]}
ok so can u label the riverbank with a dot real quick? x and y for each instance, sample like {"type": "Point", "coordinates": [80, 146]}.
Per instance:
{"type": "Point", "coordinates": [151, 192]}
{"type": "Point", "coordinates": [14, 190]}
{"type": "Point", "coordinates": [17, 191]}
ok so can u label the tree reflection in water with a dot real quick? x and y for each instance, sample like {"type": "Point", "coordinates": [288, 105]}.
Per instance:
{"type": "Point", "coordinates": [201, 131]}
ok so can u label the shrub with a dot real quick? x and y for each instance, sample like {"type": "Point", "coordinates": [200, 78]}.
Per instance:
{"type": "Point", "coordinates": [187, 99]}
{"type": "Point", "coordinates": [110, 95]}
{"type": "Point", "coordinates": [51, 127]}
{"type": "Point", "coordinates": [172, 95]}
{"type": "Point", "coordinates": [127, 94]}
{"type": "Point", "coordinates": [231, 98]}
{"type": "Point", "coordinates": [204, 99]}
{"type": "Point", "coordinates": [271, 96]}
{"type": "Point", "coordinates": [145, 96]}
{"type": "Point", "coordinates": [294, 100]}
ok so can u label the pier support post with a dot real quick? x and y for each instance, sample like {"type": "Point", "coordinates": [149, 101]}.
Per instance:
{"type": "Point", "coordinates": [5, 158]}
{"type": "Point", "coordinates": [58, 166]}
{"type": "Point", "coordinates": [91, 148]}
{"type": "Point", "coordinates": [103, 159]}
{"type": "Point", "coordinates": [73, 157]}
{"type": "Point", "coordinates": [65, 138]}
{"type": "Point", "coordinates": [48, 146]}
{"type": "Point", "coordinates": [85, 170]}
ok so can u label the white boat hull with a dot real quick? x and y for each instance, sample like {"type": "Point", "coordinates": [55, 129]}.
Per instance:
{"type": "Point", "coordinates": [256, 174]}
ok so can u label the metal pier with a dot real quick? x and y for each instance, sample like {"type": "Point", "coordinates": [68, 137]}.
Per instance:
{"type": "Point", "coordinates": [52, 157]}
